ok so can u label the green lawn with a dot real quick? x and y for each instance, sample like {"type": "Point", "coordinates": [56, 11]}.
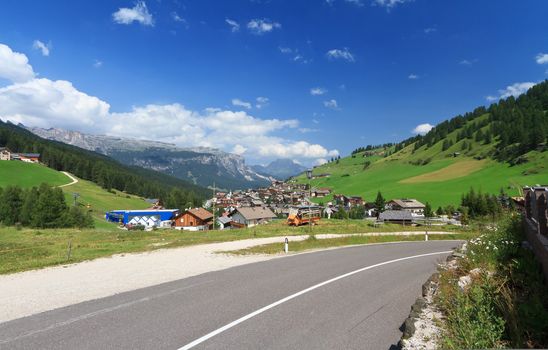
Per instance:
{"type": "Point", "coordinates": [314, 243]}
{"type": "Point", "coordinates": [27, 249]}
{"type": "Point", "coordinates": [28, 174]}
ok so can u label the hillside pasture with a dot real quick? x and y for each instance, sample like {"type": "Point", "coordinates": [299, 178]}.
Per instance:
{"type": "Point", "coordinates": [27, 175]}
{"type": "Point", "coordinates": [453, 171]}
{"type": "Point", "coordinates": [388, 176]}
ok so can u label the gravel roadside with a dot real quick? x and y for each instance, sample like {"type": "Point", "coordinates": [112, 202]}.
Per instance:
{"type": "Point", "coordinates": [31, 292]}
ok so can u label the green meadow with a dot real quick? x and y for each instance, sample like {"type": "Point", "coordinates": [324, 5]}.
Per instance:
{"type": "Point", "coordinates": [28, 174]}
{"type": "Point", "coordinates": [90, 196]}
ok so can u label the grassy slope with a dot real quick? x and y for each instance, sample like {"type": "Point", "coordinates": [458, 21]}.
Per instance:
{"type": "Point", "coordinates": [27, 174]}
{"type": "Point", "coordinates": [99, 200]}
{"type": "Point", "coordinates": [394, 175]}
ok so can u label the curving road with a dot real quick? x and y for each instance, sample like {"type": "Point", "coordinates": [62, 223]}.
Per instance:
{"type": "Point", "coordinates": [348, 298]}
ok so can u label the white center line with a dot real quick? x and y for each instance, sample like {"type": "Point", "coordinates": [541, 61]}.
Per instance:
{"type": "Point", "coordinates": [293, 296]}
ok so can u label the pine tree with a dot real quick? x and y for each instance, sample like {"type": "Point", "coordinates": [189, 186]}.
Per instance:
{"type": "Point", "coordinates": [380, 202]}
{"type": "Point", "coordinates": [49, 208]}
{"type": "Point", "coordinates": [10, 205]}
{"type": "Point", "coordinates": [440, 211]}
{"type": "Point", "coordinates": [29, 202]}
{"type": "Point", "coordinates": [428, 213]}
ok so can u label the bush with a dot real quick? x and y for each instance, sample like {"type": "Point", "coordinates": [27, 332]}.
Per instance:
{"type": "Point", "coordinates": [506, 304]}
{"type": "Point", "coordinates": [471, 321]}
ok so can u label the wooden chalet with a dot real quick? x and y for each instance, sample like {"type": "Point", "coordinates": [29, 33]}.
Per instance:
{"type": "Point", "coordinates": [196, 219]}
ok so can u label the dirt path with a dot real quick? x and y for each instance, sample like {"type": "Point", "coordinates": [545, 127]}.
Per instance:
{"type": "Point", "coordinates": [27, 293]}
{"type": "Point", "coordinates": [74, 180]}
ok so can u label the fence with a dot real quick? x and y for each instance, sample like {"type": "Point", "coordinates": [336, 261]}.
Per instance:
{"type": "Point", "coordinates": [538, 242]}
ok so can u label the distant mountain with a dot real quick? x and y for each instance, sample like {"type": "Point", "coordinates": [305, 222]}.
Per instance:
{"type": "Point", "coordinates": [280, 169]}
{"type": "Point", "coordinates": [202, 166]}
{"type": "Point", "coordinates": [100, 169]}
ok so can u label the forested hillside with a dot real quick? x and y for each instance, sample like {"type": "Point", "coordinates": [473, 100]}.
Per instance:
{"type": "Point", "coordinates": [503, 146]}
{"type": "Point", "coordinates": [99, 169]}
{"type": "Point", "coordinates": [514, 126]}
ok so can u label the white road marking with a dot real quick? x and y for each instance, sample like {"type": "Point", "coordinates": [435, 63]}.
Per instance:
{"type": "Point", "coordinates": [293, 296]}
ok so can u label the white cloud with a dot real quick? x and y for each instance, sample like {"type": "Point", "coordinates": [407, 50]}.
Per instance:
{"type": "Point", "coordinates": [44, 48]}
{"type": "Point", "coordinates": [413, 76]}
{"type": "Point", "coordinates": [515, 89]}
{"type": "Point", "coordinates": [491, 98]}
{"type": "Point", "coordinates": [422, 129]}
{"type": "Point", "coordinates": [239, 103]}
{"type": "Point", "coordinates": [390, 3]}
{"type": "Point", "coordinates": [331, 104]}
{"type": "Point", "coordinates": [97, 63]}
{"type": "Point", "coordinates": [299, 149]}
{"type": "Point", "coordinates": [295, 54]}
{"type": "Point", "coordinates": [320, 161]}
{"type": "Point", "coordinates": [542, 58]}
{"type": "Point", "coordinates": [46, 103]}
{"type": "Point", "coordinates": [261, 102]}
{"type": "Point", "coordinates": [317, 91]}
{"type": "Point", "coordinates": [138, 13]}
{"type": "Point", "coordinates": [307, 130]}
{"type": "Point", "coordinates": [175, 16]}
{"type": "Point", "coordinates": [14, 66]}
{"type": "Point", "coordinates": [355, 2]}
{"type": "Point", "coordinates": [261, 26]}
{"type": "Point", "coordinates": [430, 30]}
{"type": "Point", "coordinates": [343, 54]}
{"type": "Point", "coordinates": [465, 62]}
{"type": "Point", "coordinates": [234, 26]}
{"type": "Point", "coordinates": [285, 49]}
{"type": "Point", "coordinates": [239, 149]}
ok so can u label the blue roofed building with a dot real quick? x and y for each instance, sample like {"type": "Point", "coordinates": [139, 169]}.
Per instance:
{"type": "Point", "coordinates": [145, 217]}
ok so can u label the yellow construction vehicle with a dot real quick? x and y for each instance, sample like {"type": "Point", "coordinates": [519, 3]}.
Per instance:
{"type": "Point", "coordinates": [304, 215]}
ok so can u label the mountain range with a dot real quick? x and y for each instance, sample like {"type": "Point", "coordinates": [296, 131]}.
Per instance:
{"type": "Point", "coordinates": [280, 169]}
{"type": "Point", "coordinates": [202, 166]}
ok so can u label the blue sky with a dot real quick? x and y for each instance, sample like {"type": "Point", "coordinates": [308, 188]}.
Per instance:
{"type": "Point", "coordinates": [305, 80]}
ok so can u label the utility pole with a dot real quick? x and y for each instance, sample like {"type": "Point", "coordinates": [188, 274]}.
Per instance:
{"type": "Point", "coordinates": [309, 176]}
{"type": "Point", "coordinates": [213, 204]}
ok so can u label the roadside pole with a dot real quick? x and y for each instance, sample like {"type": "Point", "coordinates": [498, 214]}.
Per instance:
{"type": "Point", "coordinates": [286, 245]}
{"type": "Point", "coordinates": [426, 232]}
{"type": "Point", "coordinates": [309, 176]}
{"type": "Point", "coordinates": [213, 205]}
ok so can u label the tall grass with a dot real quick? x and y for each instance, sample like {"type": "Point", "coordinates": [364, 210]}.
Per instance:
{"type": "Point", "coordinates": [506, 303]}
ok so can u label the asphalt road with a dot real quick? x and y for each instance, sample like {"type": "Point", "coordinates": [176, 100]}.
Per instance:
{"type": "Point", "coordinates": [358, 300]}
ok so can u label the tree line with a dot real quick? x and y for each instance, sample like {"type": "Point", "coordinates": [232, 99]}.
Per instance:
{"type": "Point", "coordinates": [94, 167]}
{"type": "Point", "coordinates": [40, 207]}
{"type": "Point", "coordinates": [516, 125]}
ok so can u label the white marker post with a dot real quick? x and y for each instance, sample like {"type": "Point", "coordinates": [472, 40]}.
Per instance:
{"type": "Point", "coordinates": [286, 245]}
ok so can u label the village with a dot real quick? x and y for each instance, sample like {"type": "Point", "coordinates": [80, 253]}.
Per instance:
{"type": "Point", "coordinates": [297, 203]}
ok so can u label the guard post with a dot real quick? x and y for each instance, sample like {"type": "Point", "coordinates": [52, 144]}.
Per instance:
{"type": "Point", "coordinates": [286, 245]}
